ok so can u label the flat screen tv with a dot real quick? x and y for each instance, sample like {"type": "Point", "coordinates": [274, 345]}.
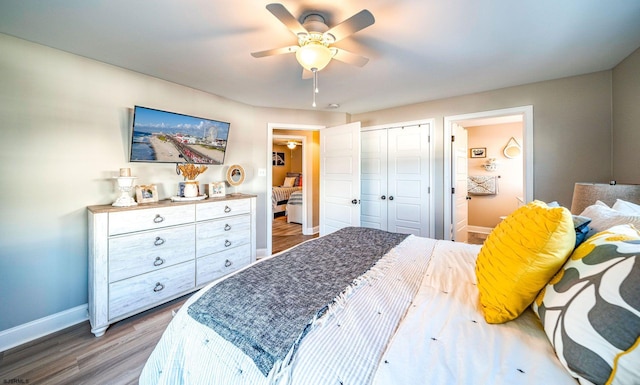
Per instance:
{"type": "Point", "coordinates": [169, 137]}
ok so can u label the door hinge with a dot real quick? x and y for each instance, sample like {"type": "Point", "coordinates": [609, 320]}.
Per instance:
{"type": "Point", "coordinates": [453, 190]}
{"type": "Point", "coordinates": [453, 138]}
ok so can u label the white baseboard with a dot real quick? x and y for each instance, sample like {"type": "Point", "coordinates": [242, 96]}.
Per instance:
{"type": "Point", "coordinates": [311, 230]}
{"type": "Point", "coordinates": [24, 333]}
{"type": "Point", "coordinates": [261, 253]}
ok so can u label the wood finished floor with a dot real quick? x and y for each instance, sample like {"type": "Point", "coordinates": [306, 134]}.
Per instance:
{"type": "Point", "coordinates": [74, 356]}
{"type": "Point", "coordinates": [286, 235]}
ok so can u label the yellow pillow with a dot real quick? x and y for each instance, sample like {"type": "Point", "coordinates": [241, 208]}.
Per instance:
{"type": "Point", "coordinates": [520, 256]}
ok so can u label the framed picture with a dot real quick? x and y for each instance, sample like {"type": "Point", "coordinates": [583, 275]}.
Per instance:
{"type": "Point", "coordinates": [478, 152]}
{"type": "Point", "coordinates": [216, 189]}
{"type": "Point", "coordinates": [146, 193]}
{"type": "Point", "coordinates": [278, 158]}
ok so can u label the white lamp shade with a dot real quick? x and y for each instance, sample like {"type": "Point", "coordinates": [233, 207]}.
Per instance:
{"type": "Point", "coordinates": [314, 55]}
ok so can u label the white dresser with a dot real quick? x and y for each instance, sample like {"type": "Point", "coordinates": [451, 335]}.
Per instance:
{"type": "Point", "coordinates": [145, 255]}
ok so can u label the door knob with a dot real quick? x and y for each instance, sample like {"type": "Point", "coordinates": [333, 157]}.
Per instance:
{"type": "Point", "coordinates": [390, 197]}
{"type": "Point", "coordinates": [383, 197]}
{"type": "Point", "coordinates": [355, 201]}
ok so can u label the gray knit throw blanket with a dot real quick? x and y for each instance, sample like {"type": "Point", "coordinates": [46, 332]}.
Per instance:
{"type": "Point", "coordinates": [266, 309]}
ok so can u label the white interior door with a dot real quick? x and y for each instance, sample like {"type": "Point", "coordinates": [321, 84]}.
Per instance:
{"type": "Point", "coordinates": [460, 196]}
{"type": "Point", "coordinates": [408, 179]}
{"type": "Point", "coordinates": [373, 162]}
{"type": "Point", "coordinates": [339, 177]}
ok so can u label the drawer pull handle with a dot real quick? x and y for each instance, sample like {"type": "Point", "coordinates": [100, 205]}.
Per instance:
{"type": "Point", "coordinates": [227, 263]}
{"type": "Point", "coordinates": [159, 241]}
{"type": "Point", "coordinates": [227, 227]}
{"type": "Point", "coordinates": [159, 261]}
{"type": "Point", "coordinates": [158, 287]}
{"type": "Point", "coordinates": [227, 209]}
{"type": "Point", "coordinates": [158, 218]}
{"type": "Point", "coordinates": [227, 243]}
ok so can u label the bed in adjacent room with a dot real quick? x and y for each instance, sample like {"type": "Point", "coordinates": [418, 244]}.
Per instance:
{"type": "Point", "coordinates": [280, 194]}
{"type": "Point", "coordinates": [294, 208]}
{"type": "Point", "coordinates": [364, 306]}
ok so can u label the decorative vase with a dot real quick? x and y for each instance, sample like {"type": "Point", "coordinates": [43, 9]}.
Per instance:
{"type": "Point", "coordinates": [191, 189]}
{"type": "Point", "coordinates": [125, 185]}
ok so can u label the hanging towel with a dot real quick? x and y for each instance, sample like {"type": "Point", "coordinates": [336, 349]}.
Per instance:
{"type": "Point", "coordinates": [482, 185]}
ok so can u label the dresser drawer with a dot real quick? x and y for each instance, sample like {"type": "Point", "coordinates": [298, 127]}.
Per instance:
{"type": "Point", "coordinates": [221, 234]}
{"type": "Point", "coordinates": [221, 209]}
{"type": "Point", "coordinates": [121, 222]}
{"type": "Point", "coordinates": [131, 295]}
{"type": "Point", "coordinates": [131, 255]}
{"type": "Point", "coordinates": [216, 265]}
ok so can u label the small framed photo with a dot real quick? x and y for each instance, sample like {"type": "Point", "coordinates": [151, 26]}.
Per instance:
{"type": "Point", "coordinates": [216, 189]}
{"type": "Point", "coordinates": [478, 152]}
{"type": "Point", "coordinates": [278, 158]}
{"type": "Point", "coordinates": [146, 193]}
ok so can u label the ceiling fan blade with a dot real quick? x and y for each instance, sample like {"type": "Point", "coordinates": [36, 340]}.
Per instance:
{"type": "Point", "coordinates": [355, 23]}
{"type": "Point", "coordinates": [349, 57]}
{"type": "Point", "coordinates": [276, 51]}
{"type": "Point", "coordinates": [279, 11]}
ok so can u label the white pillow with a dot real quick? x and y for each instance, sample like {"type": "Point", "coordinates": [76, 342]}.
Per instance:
{"type": "Point", "coordinates": [603, 218]}
{"type": "Point", "coordinates": [626, 207]}
{"type": "Point", "coordinates": [289, 181]}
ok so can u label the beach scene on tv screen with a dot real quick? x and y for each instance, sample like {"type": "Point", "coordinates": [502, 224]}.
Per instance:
{"type": "Point", "coordinates": [161, 136]}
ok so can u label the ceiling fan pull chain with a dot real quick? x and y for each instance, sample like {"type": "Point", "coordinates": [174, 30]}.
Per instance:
{"type": "Point", "coordinates": [315, 85]}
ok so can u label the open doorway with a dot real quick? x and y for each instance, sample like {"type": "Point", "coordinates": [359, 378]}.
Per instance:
{"type": "Point", "coordinates": [502, 180]}
{"type": "Point", "coordinates": [304, 161]}
{"type": "Point", "coordinates": [287, 190]}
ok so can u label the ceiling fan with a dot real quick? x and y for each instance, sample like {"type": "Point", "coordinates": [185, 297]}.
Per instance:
{"type": "Point", "coordinates": [315, 40]}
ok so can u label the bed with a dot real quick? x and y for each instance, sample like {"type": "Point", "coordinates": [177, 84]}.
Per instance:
{"type": "Point", "coordinates": [279, 198]}
{"type": "Point", "coordinates": [410, 310]}
{"type": "Point", "coordinates": [294, 208]}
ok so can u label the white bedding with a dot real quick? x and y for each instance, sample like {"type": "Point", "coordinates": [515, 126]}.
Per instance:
{"type": "Point", "coordinates": [442, 339]}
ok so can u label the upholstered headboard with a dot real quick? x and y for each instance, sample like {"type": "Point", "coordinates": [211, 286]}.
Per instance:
{"type": "Point", "coordinates": [585, 194]}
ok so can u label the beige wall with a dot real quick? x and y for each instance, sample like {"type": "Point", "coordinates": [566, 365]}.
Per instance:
{"type": "Point", "coordinates": [485, 210]}
{"type": "Point", "coordinates": [626, 120]}
{"type": "Point", "coordinates": [572, 130]}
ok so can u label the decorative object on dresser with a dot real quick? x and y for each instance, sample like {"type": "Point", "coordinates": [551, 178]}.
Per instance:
{"type": "Point", "coordinates": [146, 193]}
{"type": "Point", "coordinates": [144, 256]}
{"type": "Point", "coordinates": [216, 189]}
{"type": "Point", "coordinates": [190, 173]}
{"type": "Point", "coordinates": [235, 176]}
{"type": "Point", "coordinates": [125, 185]}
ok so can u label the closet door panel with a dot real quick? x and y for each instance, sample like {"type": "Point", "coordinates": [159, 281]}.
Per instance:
{"type": "Point", "coordinates": [408, 180]}
{"type": "Point", "coordinates": [373, 179]}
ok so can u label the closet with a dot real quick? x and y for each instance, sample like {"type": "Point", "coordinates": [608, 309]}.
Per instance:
{"type": "Point", "coordinates": [395, 179]}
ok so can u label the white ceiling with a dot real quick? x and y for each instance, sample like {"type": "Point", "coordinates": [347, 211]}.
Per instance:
{"type": "Point", "coordinates": [419, 50]}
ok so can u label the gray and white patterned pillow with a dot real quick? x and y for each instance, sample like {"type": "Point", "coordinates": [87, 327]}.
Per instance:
{"type": "Point", "coordinates": [591, 309]}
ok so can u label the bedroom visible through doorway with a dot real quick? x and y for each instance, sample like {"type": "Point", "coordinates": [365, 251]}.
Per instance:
{"type": "Point", "coordinates": [292, 169]}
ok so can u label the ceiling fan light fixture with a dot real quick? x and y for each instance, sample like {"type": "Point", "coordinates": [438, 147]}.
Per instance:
{"type": "Point", "coordinates": [291, 145]}
{"type": "Point", "coordinates": [314, 55]}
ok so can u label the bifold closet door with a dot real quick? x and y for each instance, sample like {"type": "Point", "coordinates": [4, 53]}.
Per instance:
{"type": "Point", "coordinates": [395, 179]}
{"type": "Point", "coordinates": [373, 179]}
{"type": "Point", "coordinates": [408, 180]}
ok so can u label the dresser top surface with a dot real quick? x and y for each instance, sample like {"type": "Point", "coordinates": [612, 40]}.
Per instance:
{"type": "Point", "coordinates": [164, 203]}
